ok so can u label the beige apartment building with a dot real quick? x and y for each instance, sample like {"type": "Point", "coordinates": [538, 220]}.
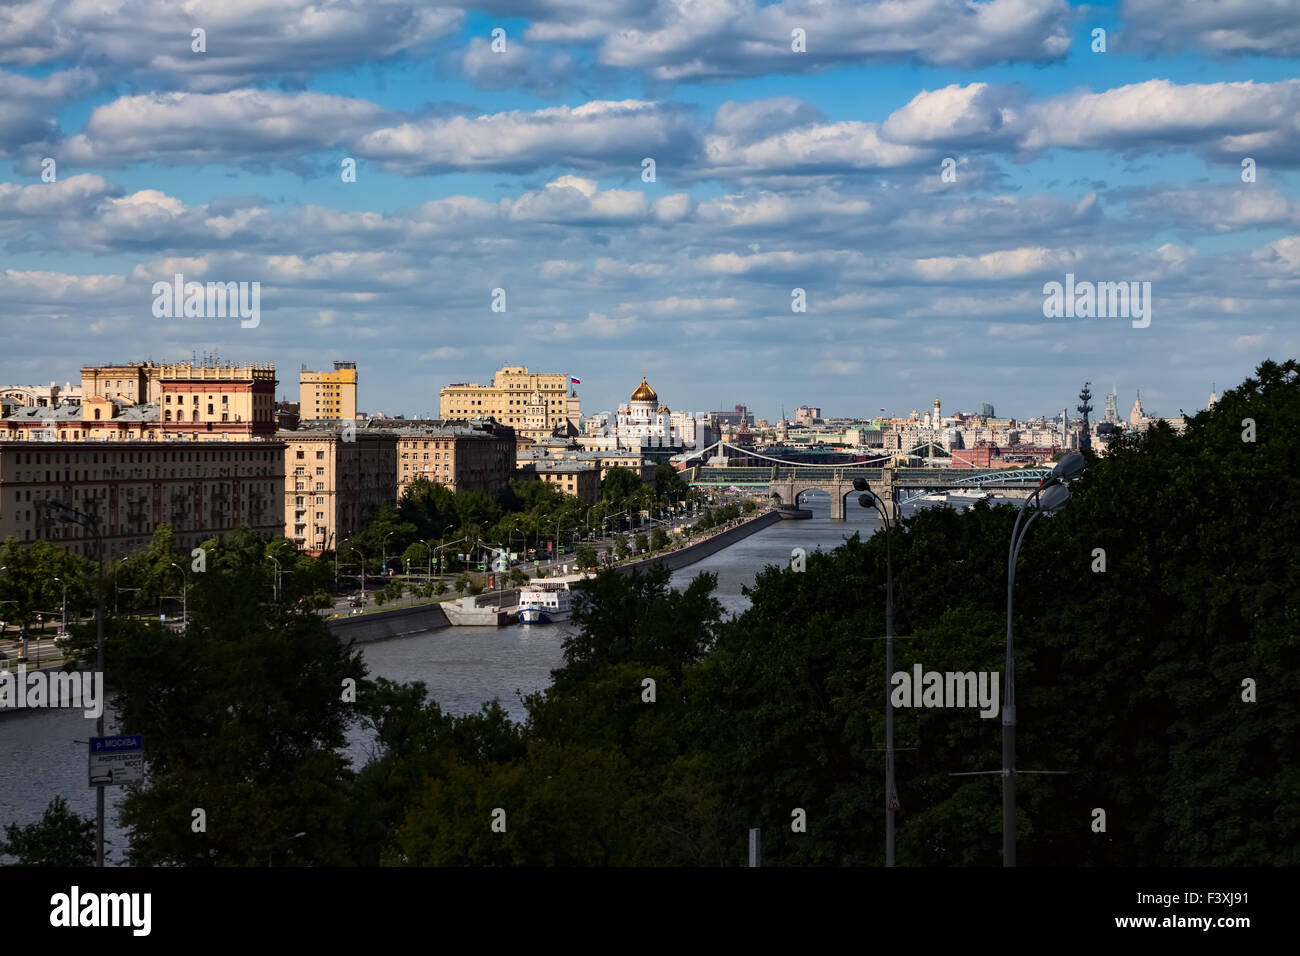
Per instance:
{"type": "Point", "coordinates": [463, 456]}
{"type": "Point", "coordinates": [200, 489]}
{"type": "Point", "coordinates": [333, 479]}
{"type": "Point", "coordinates": [578, 478]}
{"type": "Point", "coordinates": [330, 396]}
{"type": "Point", "coordinates": [534, 404]}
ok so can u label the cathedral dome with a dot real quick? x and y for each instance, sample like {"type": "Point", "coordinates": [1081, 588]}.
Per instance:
{"type": "Point", "coordinates": [644, 393]}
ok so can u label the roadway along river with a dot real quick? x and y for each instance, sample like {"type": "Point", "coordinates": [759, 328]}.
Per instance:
{"type": "Point", "coordinates": [43, 752]}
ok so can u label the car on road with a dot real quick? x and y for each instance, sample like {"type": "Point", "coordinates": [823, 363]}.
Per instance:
{"type": "Point", "coordinates": [355, 601]}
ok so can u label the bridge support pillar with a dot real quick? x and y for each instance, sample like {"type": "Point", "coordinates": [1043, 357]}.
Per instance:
{"type": "Point", "coordinates": [837, 500]}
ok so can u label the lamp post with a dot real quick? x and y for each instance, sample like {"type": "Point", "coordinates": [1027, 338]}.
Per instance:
{"type": "Point", "coordinates": [384, 548]}
{"type": "Point", "coordinates": [91, 523]}
{"type": "Point", "coordinates": [275, 585]}
{"type": "Point", "coordinates": [185, 596]}
{"type": "Point", "coordinates": [63, 616]}
{"type": "Point", "coordinates": [428, 578]}
{"type": "Point", "coordinates": [1048, 498]}
{"type": "Point", "coordinates": [360, 554]}
{"type": "Point", "coordinates": [869, 499]}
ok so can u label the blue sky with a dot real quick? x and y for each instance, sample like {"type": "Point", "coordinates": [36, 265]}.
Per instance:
{"type": "Point", "coordinates": [521, 169]}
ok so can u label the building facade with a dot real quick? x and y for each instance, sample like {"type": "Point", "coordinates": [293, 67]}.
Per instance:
{"type": "Point", "coordinates": [200, 489]}
{"type": "Point", "coordinates": [579, 478]}
{"type": "Point", "coordinates": [328, 396]}
{"type": "Point", "coordinates": [463, 456]}
{"type": "Point", "coordinates": [333, 481]}
{"type": "Point", "coordinates": [534, 404]}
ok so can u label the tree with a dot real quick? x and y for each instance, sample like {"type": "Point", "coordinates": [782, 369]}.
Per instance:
{"type": "Point", "coordinates": [60, 838]}
{"type": "Point", "coordinates": [620, 483]}
{"type": "Point", "coordinates": [642, 544]}
{"type": "Point", "coordinates": [620, 546]}
{"type": "Point", "coordinates": [247, 708]}
{"type": "Point", "coordinates": [658, 539]}
{"type": "Point", "coordinates": [586, 556]}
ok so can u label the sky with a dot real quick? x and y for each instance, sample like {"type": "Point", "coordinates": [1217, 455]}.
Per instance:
{"type": "Point", "coordinates": [853, 204]}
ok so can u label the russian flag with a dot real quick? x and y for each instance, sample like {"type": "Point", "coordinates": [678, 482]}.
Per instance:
{"type": "Point", "coordinates": [575, 381]}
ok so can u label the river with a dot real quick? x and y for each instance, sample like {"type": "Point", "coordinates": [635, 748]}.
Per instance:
{"type": "Point", "coordinates": [44, 752]}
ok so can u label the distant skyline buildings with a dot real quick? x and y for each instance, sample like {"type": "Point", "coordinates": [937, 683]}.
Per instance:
{"type": "Point", "coordinates": [383, 395]}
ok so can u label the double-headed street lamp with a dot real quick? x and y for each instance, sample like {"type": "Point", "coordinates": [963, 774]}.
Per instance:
{"type": "Point", "coordinates": [91, 523]}
{"type": "Point", "coordinates": [1050, 497]}
{"type": "Point", "coordinates": [275, 585]}
{"type": "Point", "coordinates": [868, 499]}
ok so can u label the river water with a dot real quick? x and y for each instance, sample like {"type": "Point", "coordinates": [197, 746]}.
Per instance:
{"type": "Point", "coordinates": [43, 753]}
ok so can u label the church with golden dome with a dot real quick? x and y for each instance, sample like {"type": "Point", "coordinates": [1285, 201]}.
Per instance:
{"type": "Point", "coordinates": [643, 420]}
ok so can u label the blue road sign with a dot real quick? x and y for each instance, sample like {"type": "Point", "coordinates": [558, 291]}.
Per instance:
{"type": "Point", "coordinates": [116, 760]}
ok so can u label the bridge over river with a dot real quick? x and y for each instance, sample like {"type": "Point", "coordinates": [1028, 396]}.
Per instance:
{"type": "Point", "coordinates": [786, 481]}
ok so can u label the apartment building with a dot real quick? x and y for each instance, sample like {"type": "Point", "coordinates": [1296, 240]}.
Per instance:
{"type": "Point", "coordinates": [200, 489]}
{"type": "Point", "coordinates": [463, 456]}
{"type": "Point", "coordinates": [578, 478]}
{"type": "Point", "coordinates": [535, 404]}
{"type": "Point", "coordinates": [603, 459]}
{"type": "Point", "coordinates": [334, 479]}
{"type": "Point", "coordinates": [328, 396]}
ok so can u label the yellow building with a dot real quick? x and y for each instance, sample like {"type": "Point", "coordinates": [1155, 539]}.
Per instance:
{"type": "Point", "coordinates": [328, 395]}
{"type": "Point", "coordinates": [535, 404]}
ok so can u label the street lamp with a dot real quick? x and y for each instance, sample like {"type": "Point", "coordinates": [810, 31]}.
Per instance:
{"type": "Point", "coordinates": [185, 596]}
{"type": "Point", "coordinates": [362, 556]}
{"type": "Point", "coordinates": [91, 523]}
{"type": "Point", "coordinates": [384, 548]}
{"type": "Point", "coordinates": [428, 547]}
{"type": "Point", "coordinates": [1050, 497]}
{"type": "Point", "coordinates": [275, 586]}
{"type": "Point", "coordinates": [63, 614]}
{"type": "Point", "coordinates": [868, 499]}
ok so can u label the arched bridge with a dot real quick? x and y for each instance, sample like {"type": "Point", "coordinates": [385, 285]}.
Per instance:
{"type": "Point", "coordinates": [786, 481]}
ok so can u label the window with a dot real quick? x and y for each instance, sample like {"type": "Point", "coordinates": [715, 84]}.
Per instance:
{"type": "Point", "coordinates": [300, 454]}
{"type": "Point", "coordinates": [320, 471]}
{"type": "Point", "coordinates": [320, 456]}
{"type": "Point", "coordinates": [320, 501]}
{"type": "Point", "coordinates": [320, 486]}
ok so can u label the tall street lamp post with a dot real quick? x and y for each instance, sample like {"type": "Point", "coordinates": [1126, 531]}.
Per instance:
{"type": "Point", "coordinates": [275, 586]}
{"type": "Point", "coordinates": [869, 499]}
{"type": "Point", "coordinates": [1048, 498]}
{"type": "Point", "coordinates": [185, 596]}
{"type": "Point", "coordinates": [91, 523]}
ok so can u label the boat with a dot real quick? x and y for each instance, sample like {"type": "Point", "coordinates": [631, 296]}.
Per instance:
{"type": "Point", "coordinates": [788, 512]}
{"type": "Point", "coordinates": [544, 602]}
{"type": "Point", "coordinates": [970, 496]}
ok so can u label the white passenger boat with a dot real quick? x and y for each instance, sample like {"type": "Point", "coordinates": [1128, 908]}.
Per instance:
{"type": "Point", "coordinates": [543, 602]}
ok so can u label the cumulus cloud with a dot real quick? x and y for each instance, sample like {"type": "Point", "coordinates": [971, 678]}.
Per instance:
{"type": "Point", "coordinates": [239, 127]}
{"type": "Point", "coordinates": [595, 134]}
{"type": "Point", "coordinates": [518, 66]}
{"type": "Point", "coordinates": [246, 42]}
{"type": "Point", "coordinates": [736, 38]}
{"type": "Point", "coordinates": [1244, 27]}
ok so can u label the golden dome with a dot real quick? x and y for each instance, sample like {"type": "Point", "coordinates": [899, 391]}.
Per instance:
{"type": "Point", "coordinates": [644, 393]}
{"type": "Point", "coordinates": [663, 409]}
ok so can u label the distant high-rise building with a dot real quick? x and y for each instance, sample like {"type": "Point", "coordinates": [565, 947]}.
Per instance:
{"type": "Point", "coordinates": [986, 410]}
{"type": "Point", "coordinates": [1214, 398]}
{"type": "Point", "coordinates": [807, 414]}
{"type": "Point", "coordinates": [329, 396]}
{"type": "Point", "coordinates": [1112, 407]}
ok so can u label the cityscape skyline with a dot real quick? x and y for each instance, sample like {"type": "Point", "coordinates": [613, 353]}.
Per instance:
{"type": "Point", "coordinates": [287, 390]}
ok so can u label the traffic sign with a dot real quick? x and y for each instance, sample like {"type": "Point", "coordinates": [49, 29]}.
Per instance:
{"type": "Point", "coordinates": [116, 760]}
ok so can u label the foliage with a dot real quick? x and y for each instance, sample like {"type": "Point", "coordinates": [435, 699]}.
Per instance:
{"type": "Point", "coordinates": [59, 838]}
